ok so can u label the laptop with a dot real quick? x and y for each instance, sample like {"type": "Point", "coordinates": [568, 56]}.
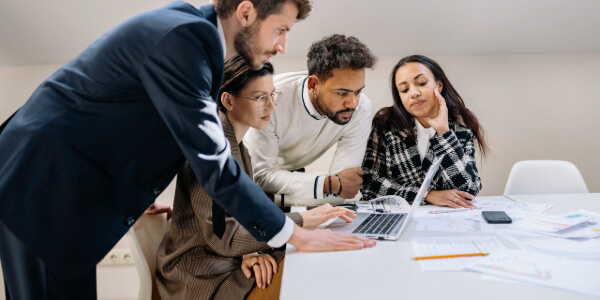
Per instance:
{"type": "Point", "coordinates": [386, 226]}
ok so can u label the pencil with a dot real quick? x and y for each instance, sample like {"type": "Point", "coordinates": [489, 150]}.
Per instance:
{"type": "Point", "coordinates": [451, 256]}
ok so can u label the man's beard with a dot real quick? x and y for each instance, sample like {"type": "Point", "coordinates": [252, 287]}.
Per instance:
{"type": "Point", "coordinates": [246, 45]}
{"type": "Point", "coordinates": [334, 116]}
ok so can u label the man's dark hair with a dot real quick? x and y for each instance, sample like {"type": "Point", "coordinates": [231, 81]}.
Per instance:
{"type": "Point", "coordinates": [337, 52]}
{"type": "Point", "coordinates": [238, 73]}
{"type": "Point", "coordinates": [264, 8]}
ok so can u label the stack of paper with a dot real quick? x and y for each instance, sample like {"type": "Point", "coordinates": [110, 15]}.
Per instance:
{"type": "Point", "coordinates": [443, 219]}
{"type": "Point", "coordinates": [550, 245]}
{"type": "Point", "coordinates": [551, 223]}
{"type": "Point", "coordinates": [572, 275]}
{"type": "Point", "coordinates": [434, 246]}
{"type": "Point", "coordinates": [587, 229]}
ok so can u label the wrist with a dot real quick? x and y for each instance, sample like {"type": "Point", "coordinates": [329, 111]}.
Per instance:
{"type": "Point", "coordinates": [442, 131]}
{"type": "Point", "coordinates": [298, 238]}
{"type": "Point", "coordinates": [332, 186]}
{"type": "Point", "coordinates": [339, 190]}
{"type": "Point", "coordinates": [424, 201]}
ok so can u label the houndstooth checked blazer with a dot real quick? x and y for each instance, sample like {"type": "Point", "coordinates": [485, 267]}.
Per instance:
{"type": "Point", "coordinates": [192, 262]}
{"type": "Point", "coordinates": [396, 169]}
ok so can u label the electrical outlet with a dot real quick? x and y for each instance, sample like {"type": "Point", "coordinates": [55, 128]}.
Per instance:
{"type": "Point", "coordinates": [117, 257]}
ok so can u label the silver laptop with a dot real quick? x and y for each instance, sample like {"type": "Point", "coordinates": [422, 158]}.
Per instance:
{"type": "Point", "coordinates": [386, 226]}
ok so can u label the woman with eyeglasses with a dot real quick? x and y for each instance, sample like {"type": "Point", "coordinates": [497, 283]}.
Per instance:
{"type": "Point", "coordinates": [206, 254]}
{"type": "Point", "coordinates": [429, 118]}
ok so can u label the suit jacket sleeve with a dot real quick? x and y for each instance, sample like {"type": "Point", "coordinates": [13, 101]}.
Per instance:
{"type": "Point", "coordinates": [179, 76]}
{"type": "Point", "coordinates": [236, 240]}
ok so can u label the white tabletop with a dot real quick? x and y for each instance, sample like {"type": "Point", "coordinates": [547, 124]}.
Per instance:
{"type": "Point", "coordinates": [387, 271]}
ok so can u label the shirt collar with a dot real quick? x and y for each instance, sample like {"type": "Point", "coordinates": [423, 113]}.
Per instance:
{"type": "Point", "coordinates": [310, 108]}
{"type": "Point", "coordinates": [423, 130]}
{"type": "Point", "coordinates": [221, 36]}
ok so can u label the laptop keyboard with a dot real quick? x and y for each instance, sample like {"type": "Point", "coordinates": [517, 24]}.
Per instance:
{"type": "Point", "coordinates": [379, 224]}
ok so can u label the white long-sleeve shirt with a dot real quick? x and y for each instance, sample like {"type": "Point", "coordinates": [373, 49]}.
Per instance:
{"type": "Point", "coordinates": [297, 135]}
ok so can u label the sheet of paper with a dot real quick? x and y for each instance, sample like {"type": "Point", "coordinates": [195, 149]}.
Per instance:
{"type": "Point", "coordinates": [550, 223]}
{"type": "Point", "coordinates": [528, 208]}
{"type": "Point", "coordinates": [511, 208]}
{"type": "Point", "coordinates": [587, 229]}
{"type": "Point", "coordinates": [573, 275]}
{"type": "Point", "coordinates": [450, 223]}
{"type": "Point", "coordinates": [550, 245]}
{"type": "Point", "coordinates": [493, 278]}
{"type": "Point", "coordinates": [433, 246]}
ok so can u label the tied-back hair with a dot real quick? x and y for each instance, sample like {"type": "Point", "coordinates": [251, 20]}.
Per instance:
{"type": "Point", "coordinates": [400, 118]}
{"type": "Point", "coordinates": [238, 73]}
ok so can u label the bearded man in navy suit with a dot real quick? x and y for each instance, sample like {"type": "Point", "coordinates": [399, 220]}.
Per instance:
{"type": "Point", "coordinates": [101, 138]}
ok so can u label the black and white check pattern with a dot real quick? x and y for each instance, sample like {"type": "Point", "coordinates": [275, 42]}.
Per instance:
{"type": "Point", "coordinates": [397, 169]}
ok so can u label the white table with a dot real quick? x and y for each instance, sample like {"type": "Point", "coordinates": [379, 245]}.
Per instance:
{"type": "Point", "coordinates": [387, 271]}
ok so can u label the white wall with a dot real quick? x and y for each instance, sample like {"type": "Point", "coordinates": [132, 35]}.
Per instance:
{"type": "Point", "coordinates": [531, 106]}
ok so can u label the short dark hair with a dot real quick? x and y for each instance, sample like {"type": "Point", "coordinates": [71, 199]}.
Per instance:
{"type": "Point", "coordinates": [238, 73]}
{"type": "Point", "coordinates": [264, 8]}
{"type": "Point", "coordinates": [337, 52]}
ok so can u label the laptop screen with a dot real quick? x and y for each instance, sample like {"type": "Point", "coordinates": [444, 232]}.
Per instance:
{"type": "Point", "coordinates": [426, 182]}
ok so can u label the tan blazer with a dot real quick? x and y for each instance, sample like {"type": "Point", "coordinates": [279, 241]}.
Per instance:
{"type": "Point", "coordinates": [192, 262]}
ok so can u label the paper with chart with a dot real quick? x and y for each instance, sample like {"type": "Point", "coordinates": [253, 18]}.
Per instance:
{"type": "Point", "coordinates": [510, 207]}
{"type": "Point", "coordinates": [550, 223]}
{"type": "Point", "coordinates": [567, 274]}
{"type": "Point", "coordinates": [550, 245]}
{"type": "Point", "coordinates": [588, 229]}
{"type": "Point", "coordinates": [443, 219]}
{"type": "Point", "coordinates": [451, 223]}
{"type": "Point", "coordinates": [433, 246]}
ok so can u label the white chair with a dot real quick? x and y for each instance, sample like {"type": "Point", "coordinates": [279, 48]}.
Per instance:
{"type": "Point", "coordinates": [144, 238]}
{"type": "Point", "coordinates": [544, 177]}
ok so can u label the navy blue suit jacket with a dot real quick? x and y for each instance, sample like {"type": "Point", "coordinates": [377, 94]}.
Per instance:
{"type": "Point", "coordinates": [100, 139]}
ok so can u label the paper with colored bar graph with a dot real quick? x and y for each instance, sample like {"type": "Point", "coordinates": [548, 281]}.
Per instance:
{"type": "Point", "coordinates": [586, 230]}
{"type": "Point", "coordinates": [546, 223]}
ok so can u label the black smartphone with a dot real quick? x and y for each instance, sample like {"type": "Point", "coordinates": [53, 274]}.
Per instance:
{"type": "Point", "coordinates": [496, 217]}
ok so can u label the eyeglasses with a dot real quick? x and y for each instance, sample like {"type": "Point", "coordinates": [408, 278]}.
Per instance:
{"type": "Point", "coordinates": [263, 101]}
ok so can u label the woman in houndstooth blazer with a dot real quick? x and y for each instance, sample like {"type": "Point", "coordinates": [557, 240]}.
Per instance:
{"type": "Point", "coordinates": [196, 260]}
{"type": "Point", "coordinates": [428, 119]}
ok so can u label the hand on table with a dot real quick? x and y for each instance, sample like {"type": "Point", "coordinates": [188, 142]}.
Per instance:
{"type": "Point", "coordinates": [322, 240]}
{"type": "Point", "coordinates": [451, 198]}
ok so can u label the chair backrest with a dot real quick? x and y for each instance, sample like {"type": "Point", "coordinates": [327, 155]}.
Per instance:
{"type": "Point", "coordinates": [144, 238]}
{"type": "Point", "coordinates": [544, 177]}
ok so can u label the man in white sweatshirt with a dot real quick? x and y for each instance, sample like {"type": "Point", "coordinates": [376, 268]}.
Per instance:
{"type": "Point", "coordinates": [315, 111]}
